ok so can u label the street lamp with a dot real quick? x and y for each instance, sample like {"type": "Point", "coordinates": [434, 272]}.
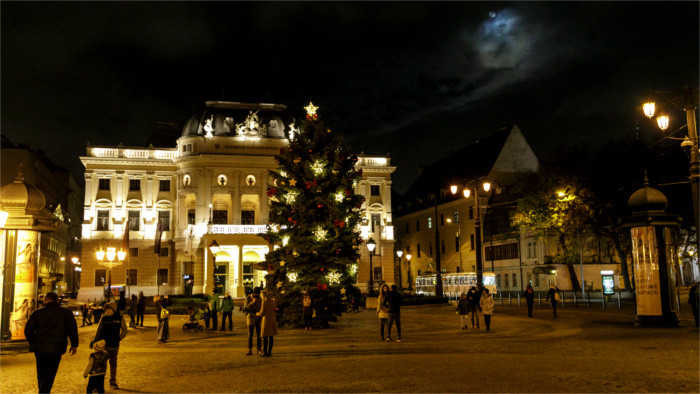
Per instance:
{"type": "Point", "coordinates": [399, 253]}
{"type": "Point", "coordinates": [689, 105]}
{"type": "Point", "coordinates": [410, 281]}
{"type": "Point", "coordinates": [214, 249]}
{"type": "Point", "coordinates": [76, 262]}
{"type": "Point", "coordinates": [466, 191]}
{"type": "Point", "coordinates": [113, 259]}
{"type": "Point", "coordinates": [370, 246]}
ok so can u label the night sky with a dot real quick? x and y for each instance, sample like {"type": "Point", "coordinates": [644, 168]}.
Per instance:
{"type": "Point", "coordinates": [415, 80]}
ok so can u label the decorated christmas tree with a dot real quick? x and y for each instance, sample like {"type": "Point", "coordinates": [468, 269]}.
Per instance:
{"type": "Point", "coordinates": [313, 230]}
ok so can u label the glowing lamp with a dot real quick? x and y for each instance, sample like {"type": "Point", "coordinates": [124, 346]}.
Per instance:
{"type": "Point", "coordinates": [453, 189]}
{"type": "Point", "coordinates": [487, 186]}
{"type": "Point", "coordinates": [214, 247]}
{"type": "Point", "coordinates": [399, 253]}
{"type": "Point", "coordinates": [467, 193]}
{"type": "Point", "coordinates": [662, 121]}
{"type": "Point", "coordinates": [75, 259]}
{"type": "Point", "coordinates": [561, 194]}
{"type": "Point", "coordinates": [121, 255]}
{"type": "Point", "coordinates": [63, 258]}
{"type": "Point", "coordinates": [3, 218]}
{"type": "Point", "coordinates": [408, 257]}
{"type": "Point", "coordinates": [100, 254]}
{"type": "Point", "coordinates": [649, 109]}
{"type": "Point", "coordinates": [111, 254]}
{"type": "Point", "coordinates": [371, 245]}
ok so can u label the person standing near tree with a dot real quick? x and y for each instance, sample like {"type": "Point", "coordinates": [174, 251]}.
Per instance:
{"type": "Point", "coordinates": [252, 306]}
{"type": "Point", "coordinates": [140, 309]}
{"type": "Point", "coordinates": [46, 331]}
{"type": "Point", "coordinates": [553, 297]}
{"type": "Point", "coordinates": [112, 329]}
{"type": "Point", "coordinates": [383, 308]}
{"type": "Point", "coordinates": [268, 323]}
{"type": "Point", "coordinates": [395, 302]}
{"type": "Point", "coordinates": [214, 307]}
{"type": "Point", "coordinates": [307, 306]}
{"type": "Point", "coordinates": [227, 312]}
{"type": "Point", "coordinates": [486, 304]}
{"type": "Point", "coordinates": [529, 295]}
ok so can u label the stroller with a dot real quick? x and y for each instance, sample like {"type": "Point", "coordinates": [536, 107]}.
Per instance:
{"type": "Point", "coordinates": [193, 323]}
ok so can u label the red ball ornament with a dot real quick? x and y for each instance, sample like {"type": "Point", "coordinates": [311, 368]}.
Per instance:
{"type": "Point", "coordinates": [342, 224]}
{"type": "Point", "coordinates": [319, 206]}
{"type": "Point", "coordinates": [347, 192]}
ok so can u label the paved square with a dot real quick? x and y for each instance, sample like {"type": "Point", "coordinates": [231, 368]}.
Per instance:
{"type": "Point", "coordinates": [584, 350]}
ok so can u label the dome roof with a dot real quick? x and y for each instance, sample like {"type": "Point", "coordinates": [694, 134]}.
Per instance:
{"type": "Point", "coordinates": [225, 118]}
{"type": "Point", "coordinates": [647, 199]}
{"type": "Point", "coordinates": [19, 195]}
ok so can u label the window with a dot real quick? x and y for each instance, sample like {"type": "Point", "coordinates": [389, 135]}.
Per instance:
{"type": "Point", "coordinates": [408, 249]}
{"type": "Point", "coordinates": [442, 219]}
{"type": "Point", "coordinates": [164, 251]}
{"type": "Point", "coordinates": [220, 216]}
{"type": "Point", "coordinates": [442, 246]}
{"type": "Point", "coordinates": [457, 244]}
{"type": "Point", "coordinates": [471, 242]}
{"type": "Point", "coordinates": [418, 250]}
{"type": "Point", "coordinates": [456, 216]}
{"type": "Point", "coordinates": [502, 252]}
{"type": "Point", "coordinates": [162, 276]}
{"type": "Point", "coordinates": [131, 277]}
{"type": "Point", "coordinates": [374, 190]}
{"type": "Point", "coordinates": [247, 217]}
{"type": "Point", "coordinates": [498, 280]}
{"type": "Point", "coordinates": [134, 252]}
{"type": "Point", "coordinates": [430, 248]}
{"type": "Point", "coordinates": [100, 277]}
{"type": "Point", "coordinates": [417, 225]}
{"type": "Point", "coordinates": [471, 212]}
{"type": "Point", "coordinates": [134, 220]}
{"type": "Point", "coordinates": [164, 217]}
{"type": "Point", "coordinates": [102, 220]}
{"type": "Point", "coordinates": [505, 280]}
{"type": "Point", "coordinates": [515, 281]}
{"type": "Point", "coordinates": [104, 184]}
{"type": "Point", "coordinates": [164, 185]}
{"type": "Point", "coordinates": [134, 185]}
{"type": "Point", "coordinates": [190, 216]}
{"type": "Point", "coordinates": [430, 223]}
{"type": "Point", "coordinates": [407, 228]}
{"type": "Point", "coordinates": [376, 222]}
{"type": "Point", "coordinates": [378, 274]}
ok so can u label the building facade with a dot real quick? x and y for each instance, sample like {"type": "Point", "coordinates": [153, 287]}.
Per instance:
{"type": "Point", "coordinates": [208, 189]}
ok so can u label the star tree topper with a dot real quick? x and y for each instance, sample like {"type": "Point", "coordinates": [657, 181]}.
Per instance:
{"type": "Point", "coordinates": [311, 111]}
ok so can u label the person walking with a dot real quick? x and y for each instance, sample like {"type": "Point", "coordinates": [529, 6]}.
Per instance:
{"type": "Point", "coordinates": [486, 304]}
{"type": "Point", "coordinates": [383, 308]}
{"type": "Point", "coordinates": [473, 300]}
{"type": "Point", "coordinates": [529, 295]}
{"type": "Point", "coordinates": [307, 310]}
{"type": "Point", "coordinates": [163, 323]}
{"type": "Point", "coordinates": [694, 301]}
{"type": "Point", "coordinates": [97, 368]}
{"type": "Point", "coordinates": [252, 306]}
{"type": "Point", "coordinates": [140, 309]}
{"type": "Point", "coordinates": [84, 309]}
{"type": "Point", "coordinates": [395, 302]}
{"type": "Point", "coordinates": [268, 323]}
{"type": "Point", "coordinates": [227, 312]}
{"type": "Point", "coordinates": [112, 329]}
{"type": "Point", "coordinates": [133, 305]}
{"type": "Point", "coordinates": [214, 307]}
{"type": "Point", "coordinates": [553, 297]}
{"type": "Point", "coordinates": [97, 312]}
{"type": "Point", "coordinates": [121, 304]}
{"type": "Point", "coordinates": [46, 331]}
{"type": "Point", "coordinates": [463, 310]}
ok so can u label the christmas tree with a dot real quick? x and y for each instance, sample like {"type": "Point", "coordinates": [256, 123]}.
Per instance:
{"type": "Point", "coordinates": [314, 216]}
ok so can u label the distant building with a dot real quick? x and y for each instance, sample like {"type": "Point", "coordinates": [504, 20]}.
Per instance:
{"type": "Point", "coordinates": [516, 256]}
{"type": "Point", "coordinates": [209, 186]}
{"type": "Point", "coordinates": [63, 199]}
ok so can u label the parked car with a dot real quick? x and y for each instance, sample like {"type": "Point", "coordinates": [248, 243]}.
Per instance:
{"type": "Point", "coordinates": [64, 298]}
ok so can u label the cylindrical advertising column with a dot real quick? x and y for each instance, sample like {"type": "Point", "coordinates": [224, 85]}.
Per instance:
{"type": "Point", "coordinates": [25, 293]}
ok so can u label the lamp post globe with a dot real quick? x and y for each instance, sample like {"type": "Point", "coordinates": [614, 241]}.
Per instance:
{"type": "Point", "coordinates": [410, 283]}
{"type": "Point", "coordinates": [371, 244]}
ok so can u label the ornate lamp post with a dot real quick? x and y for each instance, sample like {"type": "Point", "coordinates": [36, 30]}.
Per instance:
{"type": "Point", "coordinates": [466, 192]}
{"type": "Point", "coordinates": [214, 249]}
{"type": "Point", "coordinates": [410, 280]}
{"type": "Point", "coordinates": [76, 263]}
{"type": "Point", "coordinates": [370, 246]}
{"type": "Point", "coordinates": [399, 253]}
{"type": "Point", "coordinates": [113, 259]}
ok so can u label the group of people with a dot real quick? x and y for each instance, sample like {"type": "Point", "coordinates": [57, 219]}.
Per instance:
{"type": "Point", "coordinates": [477, 301]}
{"type": "Point", "coordinates": [389, 311]}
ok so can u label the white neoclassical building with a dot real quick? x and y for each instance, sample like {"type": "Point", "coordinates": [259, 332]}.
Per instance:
{"type": "Point", "coordinates": [210, 188]}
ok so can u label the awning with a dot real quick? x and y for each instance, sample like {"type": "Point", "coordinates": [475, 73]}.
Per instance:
{"type": "Point", "coordinates": [544, 269]}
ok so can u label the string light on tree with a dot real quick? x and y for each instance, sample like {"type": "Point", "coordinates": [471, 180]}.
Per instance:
{"type": "Point", "coordinates": [333, 277]}
{"type": "Point", "coordinates": [320, 233]}
{"type": "Point", "coordinates": [292, 276]}
{"type": "Point", "coordinates": [353, 269]}
{"type": "Point", "coordinates": [339, 197]}
{"type": "Point", "coordinates": [291, 197]}
{"type": "Point", "coordinates": [285, 240]}
{"type": "Point", "coordinates": [318, 168]}
{"type": "Point", "coordinates": [311, 111]}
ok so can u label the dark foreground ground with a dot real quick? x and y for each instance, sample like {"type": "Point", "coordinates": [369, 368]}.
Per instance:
{"type": "Point", "coordinates": [584, 350]}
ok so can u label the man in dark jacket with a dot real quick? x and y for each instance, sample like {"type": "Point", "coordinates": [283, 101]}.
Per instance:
{"type": "Point", "coordinates": [395, 302]}
{"type": "Point", "coordinates": [473, 299]}
{"type": "Point", "coordinates": [140, 309]}
{"type": "Point", "coordinates": [46, 331]}
{"type": "Point", "coordinates": [112, 329]}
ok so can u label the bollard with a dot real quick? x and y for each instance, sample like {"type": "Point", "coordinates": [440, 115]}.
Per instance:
{"type": "Point", "coordinates": [575, 300]}
{"type": "Point", "coordinates": [563, 297]}
{"type": "Point", "coordinates": [539, 296]}
{"type": "Point", "coordinates": [510, 301]}
{"type": "Point", "coordinates": [602, 293]}
{"type": "Point", "coordinates": [501, 294]}
{"type": "Point", "coordinates": [678, 299]}
{"type": "Point", "coordinates": [588, 296]}
{"type": "Point", "coordinates": [519, 299]}
{"type": "Point", "coordinates": [619, 303]}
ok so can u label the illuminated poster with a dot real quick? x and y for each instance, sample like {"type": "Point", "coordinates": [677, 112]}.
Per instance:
{"type": "Point", "coordinates": [25, 282]}
{"type": "Point", "coordinates": [646, 271]}
{"type": "Point", "coordinates": [608, 284]}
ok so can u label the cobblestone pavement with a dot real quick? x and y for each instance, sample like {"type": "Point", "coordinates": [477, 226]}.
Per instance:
{"type": "Point", "coordinates": [584, 350]}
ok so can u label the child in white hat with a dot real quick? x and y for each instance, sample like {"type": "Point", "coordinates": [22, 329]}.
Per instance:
{"type": "Point", "coordinates": [97, 367]}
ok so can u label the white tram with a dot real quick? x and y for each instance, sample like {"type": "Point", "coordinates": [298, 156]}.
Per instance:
{"type": "Point", "coordinates": [454, 284]}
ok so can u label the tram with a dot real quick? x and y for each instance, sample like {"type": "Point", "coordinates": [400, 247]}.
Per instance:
{"type": "Point", "coordinates": [453, 284]}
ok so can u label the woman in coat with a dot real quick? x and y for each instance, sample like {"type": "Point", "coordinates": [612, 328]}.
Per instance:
{"type": "Point", "coordinates": [529, 295]}
{"type": "Point", "coordinates": [463, 310]}
{"type": "Point", "coordinates": [163, 323]}
{"type": "Point", "coordinates": [553, 297]}
{"type": "Point", "coordinates": [486, 304]}
{"type": "Point", "coordinates": [132, 310]}
{"type": "Point", "coordinates": [268, 325]}
{"type": "Point", "coordinates": [383, 307]}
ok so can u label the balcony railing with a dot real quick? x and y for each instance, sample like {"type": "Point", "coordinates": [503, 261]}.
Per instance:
{"type": "Point", "coordinates": [200, 229]}
{"type": "Point", "coordinates": [373, 161]}
{"type": "Point", "coordinates": [134, 153]}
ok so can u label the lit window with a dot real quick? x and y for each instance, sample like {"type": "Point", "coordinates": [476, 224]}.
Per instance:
{"type": "Point", "coordinates": [430, 223]}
